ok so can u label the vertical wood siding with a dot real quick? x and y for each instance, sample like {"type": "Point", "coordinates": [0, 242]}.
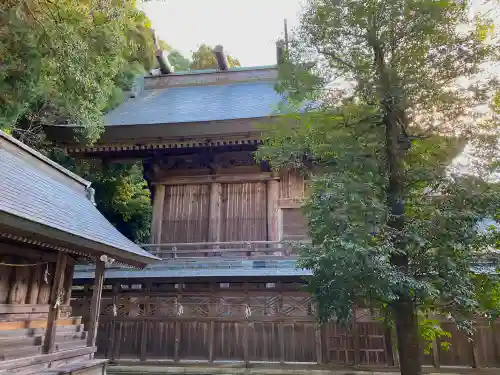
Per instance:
{"type": "Point", "coordinates": [244, 212]}
{"type": "Point", "coordinates": [185, 213]}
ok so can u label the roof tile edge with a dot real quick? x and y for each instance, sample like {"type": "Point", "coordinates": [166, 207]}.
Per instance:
{"type": "Point", "coordinates": [44, 159]}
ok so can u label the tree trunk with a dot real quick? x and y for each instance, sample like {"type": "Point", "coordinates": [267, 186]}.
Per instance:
{"type": "Point", "coordinates": [404, 308]}
{"type": "Point", "coordinates": [397, 144]}
{"type": "Point", "coordinates": [408, 337]}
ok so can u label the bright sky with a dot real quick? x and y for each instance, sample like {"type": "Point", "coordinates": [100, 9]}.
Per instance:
{"type": "Point", "coordinates": [248, 30]}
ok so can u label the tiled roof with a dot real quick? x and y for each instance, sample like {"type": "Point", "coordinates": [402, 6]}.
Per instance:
{"type": "Point", "coordinates": [27, 192]}
{"type": "Point", "coordinates": [202, 267]}
{"type": "Point", "coordinates": [197, 104]}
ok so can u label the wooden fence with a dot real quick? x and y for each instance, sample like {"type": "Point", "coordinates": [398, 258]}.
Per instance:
{"type": "Point", "coordinates": [254, 322]}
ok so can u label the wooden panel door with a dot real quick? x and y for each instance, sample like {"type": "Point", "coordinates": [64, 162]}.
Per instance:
{"type": "Point", "coordinates": [243, 212]}
{"type": "Point", "coordinates": [185, 214]}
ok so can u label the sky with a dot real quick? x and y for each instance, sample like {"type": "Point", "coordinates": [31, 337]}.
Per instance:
{"type": "Point", "coordinates": [248, 30]}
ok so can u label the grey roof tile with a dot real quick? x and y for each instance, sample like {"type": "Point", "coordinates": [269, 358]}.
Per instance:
{"type": "Point", "coordinates": [28, 193]}
{"type": "Point", "coordinates": [197, 104]}
{"type": "Point", "coordinates": [201, 267]}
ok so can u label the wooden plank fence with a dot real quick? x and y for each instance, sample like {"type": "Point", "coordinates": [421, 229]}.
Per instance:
{"type": "Point", "coordinates": [255, 322]}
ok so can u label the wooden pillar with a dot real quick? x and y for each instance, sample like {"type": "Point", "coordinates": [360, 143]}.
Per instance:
{"type": "Point", "coordinates": [55, 303]}
{"type": "Point", "coordinates": [157, 220]}
{"type": "Point", "coordinates": [95, 306]}
{"type": "Point", "coordinates": [214, 297]}
{"type": "Point", "coordinates": [112, 337]}
{"type": "Point", "coordinates": [144, 333]}
{"type": "Point", "coordinates": [214, 212]}
{"type": "Point", "coordinates": [68, 283]}
{"type": "Point", "coordinates": [272, 210]}
{"type": "Point", "coordinates": [178, 323]}
{"type": "Point", "coordinates": [246, 328]}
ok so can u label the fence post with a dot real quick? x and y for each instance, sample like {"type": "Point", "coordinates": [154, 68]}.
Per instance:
{"type": "Point", "coordinates": [435, 354]}
{"type": "Point", "coordinates": [211, 324]}
{"type": "Point", "coordinates": [112, 338]}
{"type": "Point", "coordinates": [475, 357]}
{"type": "Point", "coordinates": [496, 342]}
{"type": "Point", "coordinates": [388, 345]}
{"type": "Point", "coordinates": [355, 339]}
{"type": "Point", "coordinates": [319, 344]}
{"type": "Point", "coordinates": [144, 333]}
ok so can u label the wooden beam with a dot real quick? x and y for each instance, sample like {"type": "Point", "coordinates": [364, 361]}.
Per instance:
{"type": "Point", "coordinates": [214, 212]}
{"type": "Point", "coordinates": [95, 306]}
{"type": "Point", "coordinates": [220, 178]}
{"type": "Point", "coordinates": [157, 220]}
{"type": "Point", "coordinates": [55, 303]}
{"type": "Point", "coordinates": [23, 309]}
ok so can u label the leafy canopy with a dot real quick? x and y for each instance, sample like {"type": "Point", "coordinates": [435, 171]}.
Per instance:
{"type": "Point", "coordinates": [421, 65]}
{"type": "Point", "coordinates": [203, 58]}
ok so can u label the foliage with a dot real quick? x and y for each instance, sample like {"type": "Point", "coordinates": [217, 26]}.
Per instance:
{"type": "Point", "coordinates": [396, 85]}
{"type": "Point", "coordinates": [70, 61]}
{"type": "Point", "coordinates": [204, 58]}
{"type": "Point", "coordinates": [60, 61]}
{"type": "Point", "coordinates": [431, 331]}
{"type": "Point", "coordinates": [121, 193]}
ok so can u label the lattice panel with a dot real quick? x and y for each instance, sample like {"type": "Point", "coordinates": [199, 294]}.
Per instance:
{"type": "Point", "coordinates": [194, 305]}
{"type": "Point", "coordinates": [132, 306]}
{"type": "Point", "coordinates": [264, 305]}
{"type": "Point", "coordinates": [298, 306]}
{"type": "Point", "coordinates": [233, 306]}
{"type": "Point", "coordinates": [163, 306]}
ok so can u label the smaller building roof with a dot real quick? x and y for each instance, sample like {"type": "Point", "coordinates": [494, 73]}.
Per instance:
{"type": "Point", "coordinates": [197, 104]}
{"type": "Point", "coordinates": [52, 202]}
{"type": "Point", "coordinates": [200, 267]}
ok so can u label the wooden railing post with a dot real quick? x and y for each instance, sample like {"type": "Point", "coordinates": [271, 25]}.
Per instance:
{"type": "Point", "coordinates": [55, 303]}
{"type": "Point", "coordinates": [112, 338]}
{"type": "Point", "coordinates": [178, 323]}
{"type": "Point", "coordinates": [211, 323]}
{"type": "Point", "coordinates": [95, 307]}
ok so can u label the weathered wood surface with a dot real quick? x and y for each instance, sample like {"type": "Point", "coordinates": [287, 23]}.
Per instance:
{"type": "Point", "coordinates": [56, 300]}
{"type": "Point", "coordinates": [253, 322]}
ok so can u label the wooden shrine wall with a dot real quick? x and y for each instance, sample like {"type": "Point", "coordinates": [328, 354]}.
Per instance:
{"type": "Point", "coordinates": [25, 284]}
{"type": "Point", "coordinates": [185, 213]}
{"type": "Point", "coordinates": [243, 213]}
{"type": "Point", "coordinates": [255, 322]}
{"type": "Point", "coordinates": [240, 203]}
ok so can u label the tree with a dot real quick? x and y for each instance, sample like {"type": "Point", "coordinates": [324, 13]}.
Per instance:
{"type": "Point", "coordinates": [61, 62]}
{"type": "Point", "coordinates": [70, 61]}
{"type": "Point", "coordinates": [389, 226]}
{"type": "Point", "coordinates": [204, 58]}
